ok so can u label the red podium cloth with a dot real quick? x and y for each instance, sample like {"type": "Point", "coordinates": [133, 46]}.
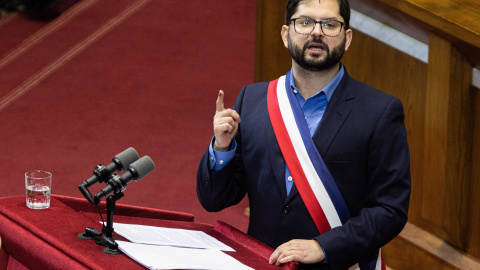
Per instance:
{"type": "Point", "coordinates": [47, 239]}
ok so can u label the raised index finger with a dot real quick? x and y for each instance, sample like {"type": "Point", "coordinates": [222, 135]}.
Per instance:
{"type": "Point", "coordinates": [220, 104]}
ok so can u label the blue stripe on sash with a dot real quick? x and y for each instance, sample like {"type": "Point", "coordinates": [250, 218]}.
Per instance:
{"type": "Point", "coordinates": [317, 161]}
{"type": "Point", "coordinates": [369, 263]}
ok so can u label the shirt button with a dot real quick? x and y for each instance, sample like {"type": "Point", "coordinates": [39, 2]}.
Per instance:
{"type": "Point", "coordinates": [290, 178]}
{"type": "Point", "coordinates": [211, 158]}
{"type": "Point", "coordinates": [295, 91]}
{"type": "Point", "coordinates": [221, 162]}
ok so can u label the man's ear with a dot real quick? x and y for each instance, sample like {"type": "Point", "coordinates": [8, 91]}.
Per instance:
{"type": "Point", "coordinates": [348, 36]}
{"type": "Point", "coordinates": [284, 33]}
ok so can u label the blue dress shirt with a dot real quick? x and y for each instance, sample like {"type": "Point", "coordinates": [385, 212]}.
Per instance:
{"type": "Point", "coordinates": [313, 109]}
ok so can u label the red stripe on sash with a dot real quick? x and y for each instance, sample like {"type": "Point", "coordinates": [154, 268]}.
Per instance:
{"type": "Point", "coordinates": [288, 151]}
{"type": "Point", "coordinates": [382, 265]}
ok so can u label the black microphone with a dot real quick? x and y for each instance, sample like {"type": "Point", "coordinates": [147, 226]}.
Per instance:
{"type": "Point", "coordinates": [117, 183]}
{"type": "Point", "coordinates": [102, 173]}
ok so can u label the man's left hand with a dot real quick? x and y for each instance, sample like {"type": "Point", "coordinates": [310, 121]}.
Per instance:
{"type": "Point", "coordinates": [302, 251]}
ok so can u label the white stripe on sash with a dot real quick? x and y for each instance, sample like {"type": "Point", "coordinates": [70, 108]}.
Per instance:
{"type": "Point", "coordinates": [378, 266]}
{"type": "Point", "coordinates": [355, 267]}
{"type": "Point", "coordinates": [310, 172]}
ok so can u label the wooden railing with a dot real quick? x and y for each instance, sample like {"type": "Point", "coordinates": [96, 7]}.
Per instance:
{"type": "Point", "coordinates": [442, 110]}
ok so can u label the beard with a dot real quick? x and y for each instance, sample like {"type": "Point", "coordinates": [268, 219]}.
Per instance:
{"type": "Point", "coordinates": [315, 63]}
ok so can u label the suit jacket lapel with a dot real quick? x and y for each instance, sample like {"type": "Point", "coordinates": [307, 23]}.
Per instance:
{"type": "Point", "coordinates": [277, 162]}
{"type": "Point", "coordinates": [337, 112]}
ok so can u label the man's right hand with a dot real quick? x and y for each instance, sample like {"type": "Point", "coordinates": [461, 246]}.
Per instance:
{"type": "Point", "coordinates": [225, 125]}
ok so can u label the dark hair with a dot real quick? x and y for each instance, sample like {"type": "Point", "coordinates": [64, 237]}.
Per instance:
{"type": "Point", "coordinates": [344, 11]}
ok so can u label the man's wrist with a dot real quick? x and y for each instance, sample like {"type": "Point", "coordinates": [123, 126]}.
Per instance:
{"type": "Point", "coordinates": [218, 159]}
{"type": "Point", "coordinates": [221, 149]}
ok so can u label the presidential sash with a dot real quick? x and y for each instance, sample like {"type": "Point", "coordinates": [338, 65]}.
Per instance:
{"type": "Point", "coordinates": [314, 182]}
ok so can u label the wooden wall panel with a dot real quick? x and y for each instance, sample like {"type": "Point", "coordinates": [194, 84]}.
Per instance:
{"type": "Point", "coordinates": [453, 20]}
{"type": "Point", "coordinates": [448, 137]}
{"type": "Point", "coordinates": [474, 210]}
{"type": "Point", "coordinates": [415, 248]}
{"type": "Point", "coordinates": [272, 59]}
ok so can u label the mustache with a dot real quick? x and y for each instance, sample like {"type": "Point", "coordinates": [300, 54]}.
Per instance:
{"type": "Point", "coordinates": [316, 40]}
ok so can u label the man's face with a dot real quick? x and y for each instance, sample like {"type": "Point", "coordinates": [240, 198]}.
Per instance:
{"type": "Point", "coordinates": [323, 56]}
{"type": "Point", "coordinates": [316, 51]}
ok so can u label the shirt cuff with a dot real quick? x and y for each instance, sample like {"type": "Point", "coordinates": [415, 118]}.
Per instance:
{"type": "Point", "coordinates": [325, 255]}
{"type": "Point", "coordinates": [218, 160]}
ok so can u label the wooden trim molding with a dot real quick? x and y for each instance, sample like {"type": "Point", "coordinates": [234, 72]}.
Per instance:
{"type": "Point", "coordinates": [440, 252]}
{"type": "Point", "coordinates": [455, 18]}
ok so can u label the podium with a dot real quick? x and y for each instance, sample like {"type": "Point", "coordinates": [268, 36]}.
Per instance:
{"type": "Point", "coordinates": [47, 239]}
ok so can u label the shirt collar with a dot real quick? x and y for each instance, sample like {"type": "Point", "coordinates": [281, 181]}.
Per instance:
{"type": "Point", "coordinates": [328, 89]}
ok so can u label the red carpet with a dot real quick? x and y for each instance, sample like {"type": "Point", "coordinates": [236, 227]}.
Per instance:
{"type": "Point", "coordinates": [110, 74]}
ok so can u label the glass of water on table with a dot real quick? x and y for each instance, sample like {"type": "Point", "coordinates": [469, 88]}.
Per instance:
{"type": "Point", "coordinates": [38, 186]}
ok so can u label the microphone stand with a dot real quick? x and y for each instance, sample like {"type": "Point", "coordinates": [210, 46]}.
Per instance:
{"type": "Point", "coordinates": [136, 171]}
{"type": "Point", "coordinates": [111, 247]}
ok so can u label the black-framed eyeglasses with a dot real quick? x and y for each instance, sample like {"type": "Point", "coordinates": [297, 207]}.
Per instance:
{"type": "Point", "coordinates": [305, 26]}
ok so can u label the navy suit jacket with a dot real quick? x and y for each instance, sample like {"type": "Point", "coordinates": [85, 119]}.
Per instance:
{"type": "Point", "coordinates": [363, 142]}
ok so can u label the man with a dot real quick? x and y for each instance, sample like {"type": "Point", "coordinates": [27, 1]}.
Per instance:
{"type": "Point", "coordinates": [353, 136]}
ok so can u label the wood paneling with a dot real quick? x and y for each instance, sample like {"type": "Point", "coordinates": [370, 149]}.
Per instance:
{"type": "Point", "coordinates": [384, 14]}
{"type": "Point", "coordinates": [414, 19]}
{"type": "Point", "coordinates": [456, 18]}
{"type": "Point", "coordinates": [415, 248]}
{"type": "Point", "coordinates": [448, 147]}
{"type": "Point", "coordinates": [474, 210]}
{"type": "Point", "coordinates": [272, 59]}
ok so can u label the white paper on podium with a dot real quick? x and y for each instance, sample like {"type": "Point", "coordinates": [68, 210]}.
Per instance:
{"type": "Point", "coordinates": [167, 257]}
{"type": "Point", "coordinates": [169, 237]}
